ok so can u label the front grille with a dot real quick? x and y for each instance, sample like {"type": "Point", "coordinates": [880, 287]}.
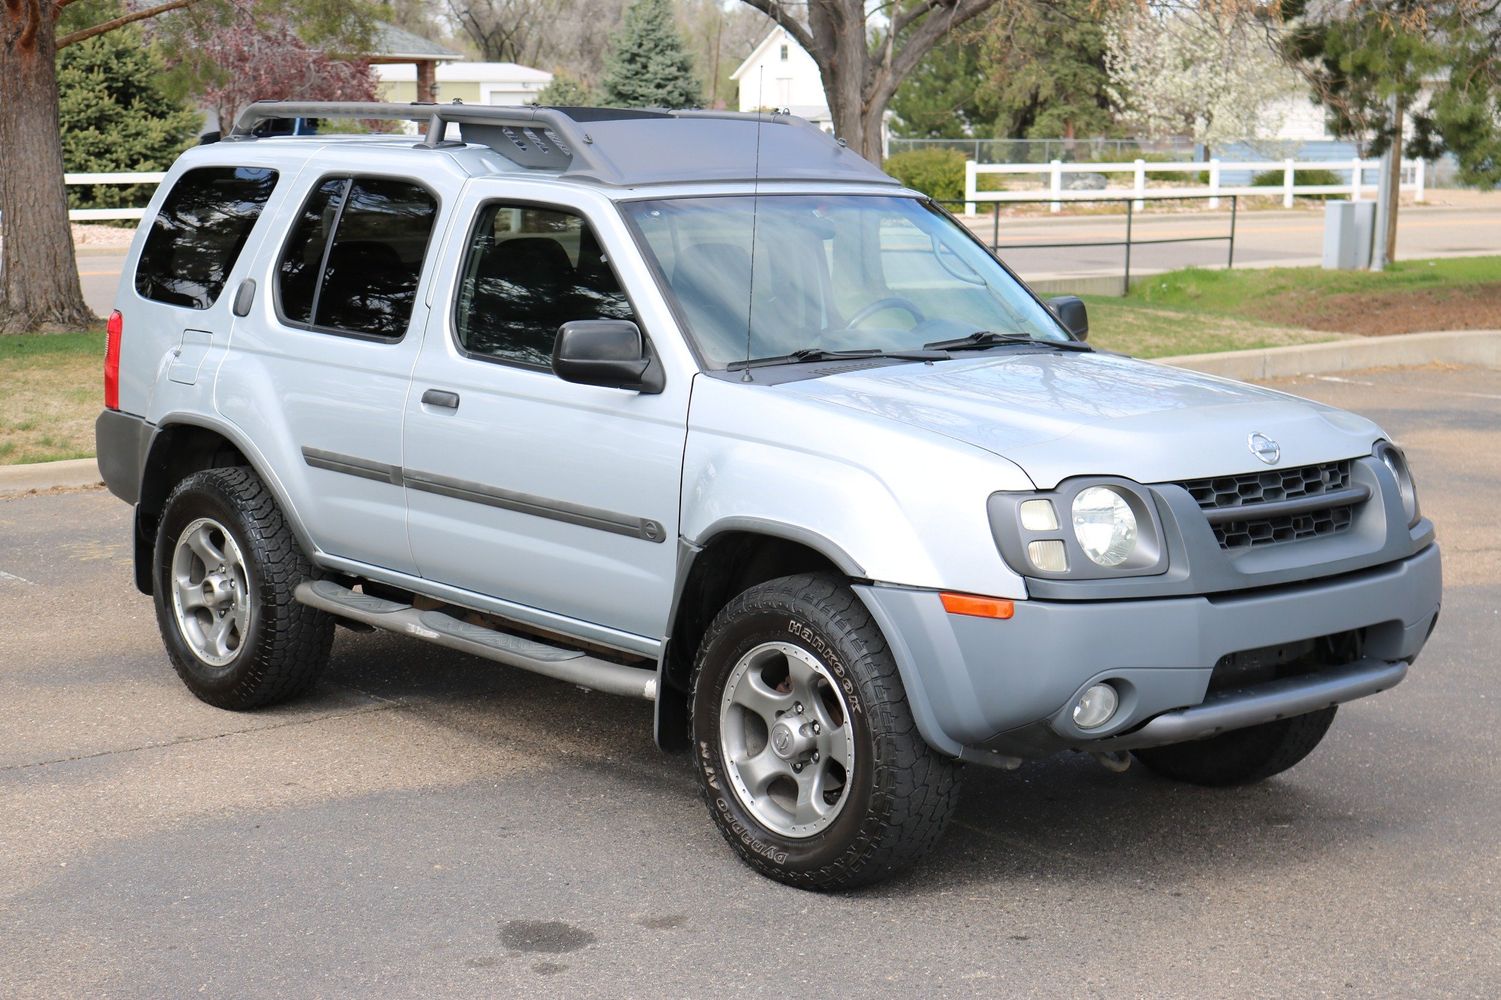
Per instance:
{"type": "Point", "coordinates": [1254, 488]}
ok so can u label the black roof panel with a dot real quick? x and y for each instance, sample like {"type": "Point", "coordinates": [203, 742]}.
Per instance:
{"type": "Point", "coordinates": [616, 146]}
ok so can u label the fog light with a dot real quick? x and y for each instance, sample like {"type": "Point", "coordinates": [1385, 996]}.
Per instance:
{"type": "Point", "coordinates": [1048, 555]}
{"type": "Point", "coordinates": [1096, 706]}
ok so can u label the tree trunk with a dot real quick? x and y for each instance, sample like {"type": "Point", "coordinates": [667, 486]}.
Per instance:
{"type": "Point", "coordinates": [1394, 188]}
{"type": "Point", "coordinates": [839, 31]}
{"type": "Point", "coordinates": [39, 287]}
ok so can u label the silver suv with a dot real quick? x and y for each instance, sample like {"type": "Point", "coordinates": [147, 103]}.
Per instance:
{"type": "Point", "coordinates": [704, 409]}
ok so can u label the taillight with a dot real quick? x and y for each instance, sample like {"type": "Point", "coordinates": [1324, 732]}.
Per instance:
{"type": "Point", "coordinates": [112, 360]}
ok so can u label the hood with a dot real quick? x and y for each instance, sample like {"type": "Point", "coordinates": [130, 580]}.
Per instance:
{"type": "Point", "coordinates": [1058, 415]}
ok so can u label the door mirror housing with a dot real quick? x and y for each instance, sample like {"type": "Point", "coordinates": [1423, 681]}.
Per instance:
{"type": "Point", "coordinates": [605, 352]}
{"type": "Point", "coordinates": [1072, 314]}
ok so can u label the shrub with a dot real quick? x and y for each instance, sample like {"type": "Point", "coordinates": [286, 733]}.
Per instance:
{"type": "Point", "coordinates": [114, 115]}
{"type": "Point", "coordinates": [937, 173]}
{"type": "Point", "coordinates": [1275, 178]}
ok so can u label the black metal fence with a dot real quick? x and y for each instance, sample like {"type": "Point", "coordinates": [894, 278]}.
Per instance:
{"type": "Point", "coordinates": [1129, 239]}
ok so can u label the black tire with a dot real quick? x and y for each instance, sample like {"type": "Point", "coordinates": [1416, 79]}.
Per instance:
{"type": "Point", "coordinates": [1242, 756]}
{"type": "Point", "coordinates": [900, 794]}
{"type": "Point", "coordinates": [285, 645]}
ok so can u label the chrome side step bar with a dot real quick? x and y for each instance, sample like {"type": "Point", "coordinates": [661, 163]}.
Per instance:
{"type": "Point", "coordinates": [570, 665]}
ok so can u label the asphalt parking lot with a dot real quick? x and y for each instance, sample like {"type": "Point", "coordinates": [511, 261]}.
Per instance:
{"type": "Point", "coordinates": [426, 824]}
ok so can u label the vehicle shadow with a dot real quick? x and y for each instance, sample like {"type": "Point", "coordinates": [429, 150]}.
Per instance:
{"type": "Point", "coordinates": [1065, 817]}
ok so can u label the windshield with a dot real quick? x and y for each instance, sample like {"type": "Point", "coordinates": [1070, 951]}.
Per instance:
{"type": "Point", "coordinates": [831, 272]}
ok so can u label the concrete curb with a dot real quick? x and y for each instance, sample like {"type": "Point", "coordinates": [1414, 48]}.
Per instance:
{"type": "Point", "coordinates": [1461, 347]}
{"type": "Point", "coordinates": [1455, 347]}
{"type": "Point", "coordinates": [15, 479]}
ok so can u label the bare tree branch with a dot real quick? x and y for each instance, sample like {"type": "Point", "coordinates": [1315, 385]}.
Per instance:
{"type": "Point", "coordinates": [33, 24]}
{"type": "Point", "coordinates": [778, 13]}
{"type": "Point", "coordinates": [119, 22]}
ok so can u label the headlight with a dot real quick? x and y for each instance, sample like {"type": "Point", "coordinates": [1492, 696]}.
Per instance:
{"type": "Point", "coordinates": [1391, 456]}
{"type": "Point", "coordinates": [1085, 528]}
{"type": "Point", "coordinates": [1104, 525]}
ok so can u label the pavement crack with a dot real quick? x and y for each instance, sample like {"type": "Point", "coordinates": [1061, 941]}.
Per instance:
{"type": "Point", "coordinates": [199, 739]}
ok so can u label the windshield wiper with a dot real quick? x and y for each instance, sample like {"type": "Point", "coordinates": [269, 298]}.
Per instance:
{"type": "Point", "coordinates": [981, 339]}
{"type": "Point", "coordinates": [928, 353]}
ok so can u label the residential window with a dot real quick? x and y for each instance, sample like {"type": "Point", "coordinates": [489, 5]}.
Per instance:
{"type": "Point", "coordinates": [355, 256]}
{"type": "Point", "coordinates": [528, 271]}
{"type": "Point", "coordinates": [197, 236]}
{"type": "Point", "coordinates": [784, 53]}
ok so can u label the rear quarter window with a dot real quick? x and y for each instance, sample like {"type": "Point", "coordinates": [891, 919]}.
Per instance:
{"type": "Point", "coordinates": [354, 259]}
{"type": "Point", "coordinates": [199, 232]}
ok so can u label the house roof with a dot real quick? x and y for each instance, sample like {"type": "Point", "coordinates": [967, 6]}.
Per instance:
{"type": "Point", "coordinates": [778, 34]}
{"type": "Point", "coordinates": [392, 43]}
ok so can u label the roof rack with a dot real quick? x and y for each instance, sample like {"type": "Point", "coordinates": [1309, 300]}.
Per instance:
{"type": "Point", "coordinates": [547, 152]}
{"type": "Point", "coordinates": [610, 145]}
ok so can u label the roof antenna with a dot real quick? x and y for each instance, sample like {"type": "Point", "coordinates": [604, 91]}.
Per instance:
{"type": "Point", "coordinates": [750, 304]}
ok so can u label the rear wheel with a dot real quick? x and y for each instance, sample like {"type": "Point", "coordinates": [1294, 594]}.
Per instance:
{"type": "Point", "coordinates": [226, 564]}
{"type": "Point", "coordinates": [1242, 756]}
{"type": "Point", "coordinates": [807, 753]}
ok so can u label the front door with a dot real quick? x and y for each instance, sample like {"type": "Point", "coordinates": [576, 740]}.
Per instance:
{"type": "Point", "coordinates": [559, 499]}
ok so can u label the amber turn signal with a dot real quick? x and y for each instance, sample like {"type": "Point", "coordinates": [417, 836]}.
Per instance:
{"type": "Point", "coordinates": [977, 607]}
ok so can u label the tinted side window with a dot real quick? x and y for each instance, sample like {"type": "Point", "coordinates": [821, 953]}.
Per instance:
{"type": "Point", "coordinates": [355, 256]}
{"type": "Point", "coordinates": [197, 236]}
{"type": "Point", "coordinates": [302, 261]}
{"type": "Point", "coordinates": [528, 271]}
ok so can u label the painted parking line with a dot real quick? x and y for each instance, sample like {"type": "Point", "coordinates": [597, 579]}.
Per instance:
{"type": "Point", "coordinates": [1389, 386]}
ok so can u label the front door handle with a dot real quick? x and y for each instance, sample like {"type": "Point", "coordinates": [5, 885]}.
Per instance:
{"type": "Point", "coordinates": [441, 397]}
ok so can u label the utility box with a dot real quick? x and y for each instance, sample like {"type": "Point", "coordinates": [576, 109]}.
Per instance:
{"type": "Point", "coordinates": [1348, 226]}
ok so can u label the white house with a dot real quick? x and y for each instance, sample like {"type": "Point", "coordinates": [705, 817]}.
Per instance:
{"type": "Point", "coordinates": [780, 74]}
{"type": "Point", "coordinates": [471, 82]}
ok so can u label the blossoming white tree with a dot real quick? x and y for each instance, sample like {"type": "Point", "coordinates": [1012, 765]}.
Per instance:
{"type": "Point", "coordinates": [1207, 70]}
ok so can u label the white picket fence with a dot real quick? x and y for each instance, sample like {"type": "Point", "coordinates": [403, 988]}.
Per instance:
{"type": "Point", "coordinates": [1363, 180]}
{"type": "Point", "coordinates": [99, 214]}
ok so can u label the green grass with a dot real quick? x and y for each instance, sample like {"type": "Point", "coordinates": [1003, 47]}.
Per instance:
{"type": "Point", "coordinates": [1239, 291]}
{"type": "Point", "coordinates": [1195, 311]}
{"type": "Point", "coordinates": [24, 347]}
{"type": "Point", "coordinates": [1147, 332]}
{"type": "Point", "coordinates": [51, 389]}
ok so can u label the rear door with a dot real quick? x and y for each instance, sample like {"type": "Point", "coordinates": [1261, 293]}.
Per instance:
{"type": "Point", "coordinates": [556, 498]}
{"type": "Point", "coordinates": [176, 303]}
{"type": "Point", "coordinates": [321, 363]}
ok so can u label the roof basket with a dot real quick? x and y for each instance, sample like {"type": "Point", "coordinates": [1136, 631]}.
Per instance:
{"type": "Point", "coordinates": [611, 145]}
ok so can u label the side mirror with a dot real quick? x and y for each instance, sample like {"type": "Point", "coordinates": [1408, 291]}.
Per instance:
{"type": "Point", "coordinates": [1072, 314]}
{"type": "Point", "coordinates": [604, 352]}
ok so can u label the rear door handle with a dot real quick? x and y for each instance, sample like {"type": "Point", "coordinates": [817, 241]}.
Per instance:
{"type": "Point", "coordinates": [441, 397]}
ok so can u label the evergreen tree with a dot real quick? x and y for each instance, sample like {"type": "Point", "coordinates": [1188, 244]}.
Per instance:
{"type": "Point", "coordinates": [939, 100]}
{"type": "Point", "coordinates": [1029, 69]}
{"type": "Point", "coordinates": [1044, 67]}
{"type": "Point", "coordinates": [113, 115]}
{"type": "Point", "coordinates": [649, 65]}
{"type": "Point", "coordinates": [1439, 61]}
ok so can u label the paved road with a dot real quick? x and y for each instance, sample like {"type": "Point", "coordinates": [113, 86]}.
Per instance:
{"type": "Point", "coordinates": [1262, 238]}
{"type": "Point", "coordinates": [429, 825]}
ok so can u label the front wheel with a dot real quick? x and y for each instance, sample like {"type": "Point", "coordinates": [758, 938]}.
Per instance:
{"type": "Point", "coordinates": [1241, 756]}
{"type": "Point", "coordinates": [807, 753]}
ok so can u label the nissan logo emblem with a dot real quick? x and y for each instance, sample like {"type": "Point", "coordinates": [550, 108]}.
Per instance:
{"type": "Point", "coordinates": [1264, 448]}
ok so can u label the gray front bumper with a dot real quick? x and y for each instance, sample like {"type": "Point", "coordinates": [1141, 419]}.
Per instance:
{"type": "Point", "coordinates": [984, 687]}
